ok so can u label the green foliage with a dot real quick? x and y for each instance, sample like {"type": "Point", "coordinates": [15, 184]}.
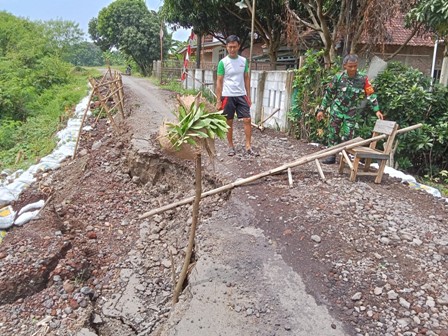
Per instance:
{"type": "Point", "coordinates": [130, 27]}
{"type": "Point", "coordinates": [433, 14]}
{"type": "Point", "coordinates": [309, 85]}
{"type": "Point", "coordinates": [406, 97]}
{"type": "Point", "coordinates": [196, 123]}
{"type": "Point", "coordinates": [115, 57]}
{"type": "Point", "coordinates": [217, 18]}
{"type": "Point", "coordinates": [63, 35]}
{"type": "Point", "coordinates": [8, 133]}
{"type": "Point", "coordinates": [85, 54]}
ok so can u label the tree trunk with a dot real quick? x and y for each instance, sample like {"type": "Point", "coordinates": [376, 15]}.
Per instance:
{"type": "Point", "coordinates": [198, 51]}
{"type": "Point", "coordinates": [195, 218]}
{"type": "Point", "coordinates": [444, 71]}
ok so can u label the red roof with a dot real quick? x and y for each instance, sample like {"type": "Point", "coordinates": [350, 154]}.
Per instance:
{"type": "Point", "coordinates": [398, 35]}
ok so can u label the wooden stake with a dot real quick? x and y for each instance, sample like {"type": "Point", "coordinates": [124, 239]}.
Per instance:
{"type": "Point", "coordinates": [195, 219]}
{"type": "Point", "coordinates": [82, 123]}
{"type": "Point", "coordinates": [290, 177]}
{"type": "Point", "coordinates": [319, 169]}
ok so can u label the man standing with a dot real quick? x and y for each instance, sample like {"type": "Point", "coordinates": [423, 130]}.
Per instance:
{"type": "Point", "coordinates": [345, 97]}
{"type": "Point", "coordinates": [233, 92]}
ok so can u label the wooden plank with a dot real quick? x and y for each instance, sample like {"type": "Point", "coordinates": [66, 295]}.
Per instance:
{"type": "Point", "coordinates": [384, 126]}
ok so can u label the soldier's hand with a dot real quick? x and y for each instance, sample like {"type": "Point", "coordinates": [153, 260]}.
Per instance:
{"type": "Point", "coordinates": [218, 105]}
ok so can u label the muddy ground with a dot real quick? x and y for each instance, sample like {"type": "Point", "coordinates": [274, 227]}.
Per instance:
{"type": "Point", "coordinates": [317, 258]}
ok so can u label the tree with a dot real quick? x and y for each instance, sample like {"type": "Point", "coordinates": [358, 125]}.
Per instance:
{"type": "Point", "coordinates": [130, 27]}
{"type": "Point", "coordinates": [62, 34]}
{"type": "Point", "coordinates": [343, 22]}
{"type": "Point", "coordinates": [85, 54]}
{"type": "Point", "coordinates": [433, 14]}
{"type": "Point", "coordinates": [222, 18]}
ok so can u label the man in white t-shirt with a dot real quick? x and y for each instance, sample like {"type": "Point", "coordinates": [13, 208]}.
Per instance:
{"type": "Point", "coordinates": [233, 92]}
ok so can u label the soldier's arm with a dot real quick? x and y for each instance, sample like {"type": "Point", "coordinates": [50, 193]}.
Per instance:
{"type": "Point", "coordinates": [372, 98]}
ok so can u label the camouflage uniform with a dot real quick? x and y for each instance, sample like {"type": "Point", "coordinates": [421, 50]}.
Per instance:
{"type": "Point", "coordinates": [345, 96]}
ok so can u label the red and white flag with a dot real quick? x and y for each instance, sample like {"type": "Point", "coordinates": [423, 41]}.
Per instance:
{"type": "Point", "coordinates": [187, 56]}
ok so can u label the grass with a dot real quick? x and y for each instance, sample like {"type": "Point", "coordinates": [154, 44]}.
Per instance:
{"type": "Point", "coordinates": [36, 137]}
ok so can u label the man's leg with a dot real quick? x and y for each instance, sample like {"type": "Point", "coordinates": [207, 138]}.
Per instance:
{"type": "Point", "coordinates": [333, 138]}
{"type": "Point", "coordinates": [228, 107]}
{"type": "Point", "coordinates": [247, 132]}
{"type": "Point", "coordinates": [230, 133]}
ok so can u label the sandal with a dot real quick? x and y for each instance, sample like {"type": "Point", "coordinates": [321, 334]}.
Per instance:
{"type": "Point", "coordinates": [231, 152]}
{"type": "Point", "coordinates": [251, 152]}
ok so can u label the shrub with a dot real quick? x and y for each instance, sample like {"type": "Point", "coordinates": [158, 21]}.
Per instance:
{"type": "Point", "coordinates": [406, 96]}
{"type": "Point", "coordinates": [309, 85]}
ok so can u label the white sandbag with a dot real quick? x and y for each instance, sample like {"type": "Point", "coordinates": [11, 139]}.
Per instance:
{"type": "Point", "coordinates": [31, 206]}
{"type": "Point", "coordinates": [6, 196]}
{"type": "Point", "coordinates": [7, 215]}
{"type": "Point", "coordinates": [26, 217]}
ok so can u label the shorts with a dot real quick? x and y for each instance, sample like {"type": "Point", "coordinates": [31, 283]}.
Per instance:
{"type": "Point", "coordinates": [240, 105]}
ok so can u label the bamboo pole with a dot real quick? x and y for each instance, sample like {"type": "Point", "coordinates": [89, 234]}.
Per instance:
{"type": "Point", "coordinates": [194, 223]}
{"type": "Point", "coordinates": [82, 123]}
{"type": "Point", "coordinates": [303, 160]}
{"type": "Point", "coordinates": [101, 84]}
{"type": "Point", "coordinates": [121, 94]}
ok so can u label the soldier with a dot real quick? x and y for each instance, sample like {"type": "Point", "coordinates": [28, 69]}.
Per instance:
{"type": "Point", "coordinates": [345, 97]}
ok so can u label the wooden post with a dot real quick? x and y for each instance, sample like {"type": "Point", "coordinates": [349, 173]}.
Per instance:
{"type": "Point", "coordinates": [194, 223]}
{"type": "Point", "coordinates": [320, 171]}
{"type": "Point", "coordinates": [82, 123]}
{"type": "Point", "coordinates": [288, 95]}
{"type": "Point", "coordinates": [260, 95]}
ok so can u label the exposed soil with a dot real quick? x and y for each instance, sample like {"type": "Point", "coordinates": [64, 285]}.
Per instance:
{"type": "Point", "coordinates": [373, 256]}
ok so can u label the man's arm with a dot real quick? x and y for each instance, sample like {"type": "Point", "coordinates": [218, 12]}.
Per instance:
{"type": "Point", "coordinates": [247, 86]}
{"type": "Point", "coordinates": [372, 99]}
{"type": "Point", "coordinates": [219, 83]}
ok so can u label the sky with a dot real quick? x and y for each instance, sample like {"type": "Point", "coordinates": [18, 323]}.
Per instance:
{"type": "Point", "coordinates": [80, 11]}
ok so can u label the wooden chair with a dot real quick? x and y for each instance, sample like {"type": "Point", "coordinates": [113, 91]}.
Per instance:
{"type": "Point", "coordinates": [389, 128]}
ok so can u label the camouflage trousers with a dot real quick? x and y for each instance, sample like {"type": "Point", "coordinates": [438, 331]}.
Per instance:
{"type": "Point", "coordinates": [342, 127]}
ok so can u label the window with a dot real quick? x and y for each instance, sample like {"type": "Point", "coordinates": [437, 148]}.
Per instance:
{"type": "Point", "coordinates": [221, 53]}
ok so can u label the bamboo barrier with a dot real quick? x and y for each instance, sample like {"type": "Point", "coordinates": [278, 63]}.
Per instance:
{"type": "Point", "coordinates": [114, 90]}
{"type": "Point", "coordinates": [303, 160]}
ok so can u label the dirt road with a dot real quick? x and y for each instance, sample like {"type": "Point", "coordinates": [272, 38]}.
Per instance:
{"type": "Point", "coordinates": [336, 258]}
